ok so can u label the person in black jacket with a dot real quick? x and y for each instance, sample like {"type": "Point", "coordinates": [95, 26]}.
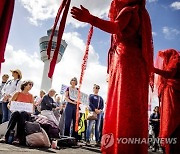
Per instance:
{"type": "Point", "coordinates": [155, 123]}
{"type": "Point", "coordinates": [47, 105]}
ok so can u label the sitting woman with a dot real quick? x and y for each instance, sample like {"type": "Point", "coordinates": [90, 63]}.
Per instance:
{"type": "Point", "coordinates": [19, 117]}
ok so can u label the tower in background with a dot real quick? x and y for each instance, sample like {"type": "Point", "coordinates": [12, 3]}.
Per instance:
{"type": "Point", "coordinates": [46, 82]}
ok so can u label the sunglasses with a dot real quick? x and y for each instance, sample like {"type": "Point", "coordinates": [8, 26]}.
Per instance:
{"type": "Point", "coordinates": [96, 87]}
{"type": "Point", "coordinates": [30, 84]}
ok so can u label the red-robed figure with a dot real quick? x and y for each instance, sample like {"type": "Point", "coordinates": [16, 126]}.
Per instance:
{"type": "Point", "coordinates": [6, 12]}
{"type": "Point", "coordinates": [169, 94]}
{"type": "Point", "coordinates": [130, 64]}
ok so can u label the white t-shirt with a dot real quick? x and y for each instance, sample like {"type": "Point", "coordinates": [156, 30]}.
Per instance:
{"type": "Point", "coordinates": [11, 87]}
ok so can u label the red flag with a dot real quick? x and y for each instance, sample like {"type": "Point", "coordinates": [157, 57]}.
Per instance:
{"type": "Point", "coordinates": [83, 68]}
{"type": "Point", "coordinates": [65, 5]}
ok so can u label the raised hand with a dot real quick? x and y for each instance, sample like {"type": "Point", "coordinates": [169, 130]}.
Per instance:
{"type": "Point", "coordinates": [82, 14]}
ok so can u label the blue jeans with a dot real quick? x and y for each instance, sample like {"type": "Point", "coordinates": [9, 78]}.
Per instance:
{"type": "Point", "coordinates": [89, 128]}
{"type": "Point", "coordinates": [6, 112]}
{"type": "Point", "coordinates": [70, 115]}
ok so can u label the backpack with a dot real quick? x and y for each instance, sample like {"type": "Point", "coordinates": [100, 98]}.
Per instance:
{"type": "Point", "coordinates": [10, 81]}
{"type": "Point", "coordinates": [36, 136]}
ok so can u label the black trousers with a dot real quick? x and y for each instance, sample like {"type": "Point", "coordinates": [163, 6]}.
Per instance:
{"type": "Point", "coordinates": [156, 133]}
{"type": "Point", "coordinates": [18, 118]}
{"type": "Point", "coordinates": [0, 112]}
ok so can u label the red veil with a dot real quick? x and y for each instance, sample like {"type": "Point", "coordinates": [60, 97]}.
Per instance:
{"type": "Point", "coordinates": [168, 88]}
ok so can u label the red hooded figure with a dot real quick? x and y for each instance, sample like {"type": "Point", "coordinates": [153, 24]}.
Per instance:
{"type": "Point", "coordinates": [168, 85]}
{"type": "Point", "coordinates": [130, 65]}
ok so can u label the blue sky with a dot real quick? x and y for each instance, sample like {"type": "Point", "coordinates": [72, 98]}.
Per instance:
{"type": "Point", "coordinates": [164, 18]}
{"type": "Point", "coordinates": [33, 18]}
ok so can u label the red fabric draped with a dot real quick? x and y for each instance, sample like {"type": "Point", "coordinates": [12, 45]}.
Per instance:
{"type": "Point", "coordinates": [65, 5]}
{"type": "Point", "coordinates": [54, 27]}
{"type": "Point", "coordinates": [6, 12]}
{"type": "Point", "coordinates": [168, 87]}
{"type": "Point", "coordinates": [130, 67]}
{"type": "Point", "coordinates": [83, 68]}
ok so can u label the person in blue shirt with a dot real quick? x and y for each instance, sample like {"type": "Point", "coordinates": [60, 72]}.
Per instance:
{"type": "Point", "coordinates": [96, 104]}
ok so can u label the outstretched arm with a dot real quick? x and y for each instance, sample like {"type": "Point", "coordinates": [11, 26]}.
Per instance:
{"type": "Point", "coordinates": [83, 15]}
{"type": "Point", "coordinates": [166, 74]}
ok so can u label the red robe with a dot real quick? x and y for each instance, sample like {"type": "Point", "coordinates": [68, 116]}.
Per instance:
{"type": "Point", "coordinates": [169, 93]}
{"type": "Point", "coordinates": [126, 113]}
{"type": "Point", "coordinates": [6, 12]}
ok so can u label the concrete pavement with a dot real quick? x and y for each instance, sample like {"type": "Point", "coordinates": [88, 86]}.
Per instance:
{"type": "Point", "coordinates": [80, 149]}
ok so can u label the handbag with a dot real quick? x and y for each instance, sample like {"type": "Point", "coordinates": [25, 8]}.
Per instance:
{"type": "Point", "coordinates": [92, 115]}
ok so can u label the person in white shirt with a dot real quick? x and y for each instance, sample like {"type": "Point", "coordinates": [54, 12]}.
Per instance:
{"type": "Point", "coordinates": [5, 78]}
{"type": "Point", "coordinates": [9, 89]}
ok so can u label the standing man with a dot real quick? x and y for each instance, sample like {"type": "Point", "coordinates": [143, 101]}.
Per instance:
{"type": "Point", "coordinates": [9, 89]}
{"type": "Point", "coordinates": [5, 77]}
{"type": "Point", "coordinates": [96, 104]}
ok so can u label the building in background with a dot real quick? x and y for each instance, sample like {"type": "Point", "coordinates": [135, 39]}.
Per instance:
{"type": "Point", "coordinates": [43, 43]}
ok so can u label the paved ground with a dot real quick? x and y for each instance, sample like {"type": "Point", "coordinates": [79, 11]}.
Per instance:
{"type": "Point", "coordinates": [81, 149]}
{"type": "Point", "coordinates": [14, 149]}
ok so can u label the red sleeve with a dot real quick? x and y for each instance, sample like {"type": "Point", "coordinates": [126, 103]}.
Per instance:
{"type": "Point", "coordinates": [166, 73]}
{"type": "Point", "coordinates": [124, 17]}
{"type": "Point", "coordinates": [6, 12]}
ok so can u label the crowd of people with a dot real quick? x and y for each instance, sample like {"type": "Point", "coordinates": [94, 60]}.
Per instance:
{"type": "Point", "coordinates": [130, 69]}
{"type": "Point", "coordinates": [50, 105]}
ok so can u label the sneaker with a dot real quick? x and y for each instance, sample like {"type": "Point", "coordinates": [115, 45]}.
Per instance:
{"type": "Point", "coordinates": [2, 140]}
{"type": "Point", "coordinates": [88, 143]}
{"type": "Point", "coordinates": [98, 144]}
{"type": "Point", "coordinates": [154, 150]}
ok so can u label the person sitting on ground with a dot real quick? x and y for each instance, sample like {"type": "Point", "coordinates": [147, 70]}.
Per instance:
{"type": "Point", "coordinates": [20, 117]}
{"type": "Point", "coordinates": [38, 101]}
{"type": "Point", "coordinates": [47, 106]}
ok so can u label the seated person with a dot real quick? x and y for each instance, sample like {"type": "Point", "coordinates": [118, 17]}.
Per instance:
{"type": "Point", "coordinates": [19, 117]}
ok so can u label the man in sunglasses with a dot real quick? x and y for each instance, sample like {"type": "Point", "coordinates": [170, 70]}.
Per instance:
{"type": "Point", "coordinates": [96, 104]}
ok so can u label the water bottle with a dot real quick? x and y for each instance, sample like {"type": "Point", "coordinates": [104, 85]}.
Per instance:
{"type": "Point", "coordinates": [11, 137]}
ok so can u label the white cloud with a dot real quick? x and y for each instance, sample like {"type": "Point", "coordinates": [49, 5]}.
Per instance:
{"type": "Point", "coordinates": [70, 66]}
{"type": "Point", "coordinates": [175, 5]}
{"type": "Point", "coordinates": [170, 33]}
{"type": "Point", "coordinates": [154, 33]}
{"type": "Point", "coordinates": [151, 1]}
{"type": "Point", "coordinates": [42, 10]}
